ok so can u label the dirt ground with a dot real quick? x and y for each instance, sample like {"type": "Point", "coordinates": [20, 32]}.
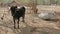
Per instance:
{"type": "Point", "coordinates": [33, 25]}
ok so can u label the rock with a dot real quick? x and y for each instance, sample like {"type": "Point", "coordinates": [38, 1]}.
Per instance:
{"type": "Point", "coordinates": [46, 15]}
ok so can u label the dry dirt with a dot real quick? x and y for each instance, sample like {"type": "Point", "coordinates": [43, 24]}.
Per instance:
{"type": "Point", "coordinates": [33, 25]}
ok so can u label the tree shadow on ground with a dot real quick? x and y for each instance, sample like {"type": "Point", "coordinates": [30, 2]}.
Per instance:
{"type": "Point", "coordinates": [53, 20]}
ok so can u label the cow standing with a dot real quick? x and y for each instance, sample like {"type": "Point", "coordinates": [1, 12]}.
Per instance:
{"type": "Point", "coordinates": [17, 13]}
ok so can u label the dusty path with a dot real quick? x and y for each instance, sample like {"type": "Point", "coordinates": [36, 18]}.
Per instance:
{"type": "Point", "coordinates": [32, 25]}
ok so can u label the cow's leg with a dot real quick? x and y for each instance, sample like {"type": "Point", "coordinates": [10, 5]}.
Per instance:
{"type": "Point", "coordinates": [14, 23]}
{"type": "Point", "coordinates": [18, 22]}
{"type": "Point", "coordinates": [23, 18]}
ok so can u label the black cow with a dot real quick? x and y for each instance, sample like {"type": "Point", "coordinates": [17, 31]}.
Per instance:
{"type": "Point", "coordinates": [17, 13]}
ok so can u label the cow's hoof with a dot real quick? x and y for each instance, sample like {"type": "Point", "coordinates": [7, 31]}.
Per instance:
{"type": "Point", "coordinates": [2, 18]}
